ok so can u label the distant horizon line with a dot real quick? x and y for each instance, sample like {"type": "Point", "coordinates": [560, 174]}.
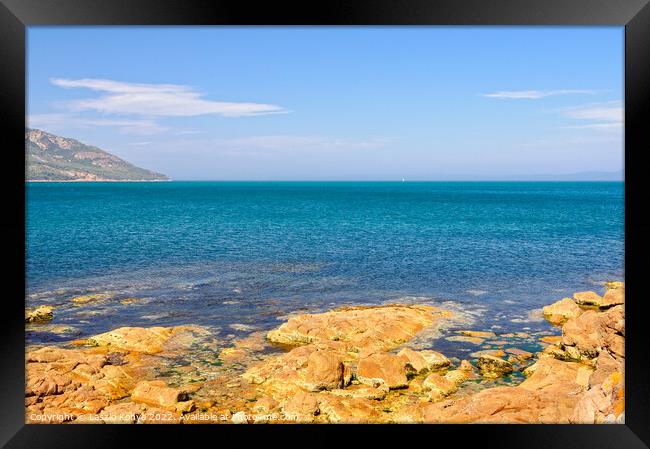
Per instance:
{"type": "Point", "coordinates": [318, 180]}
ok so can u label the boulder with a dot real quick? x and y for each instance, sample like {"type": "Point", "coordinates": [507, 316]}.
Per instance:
{"type": "Point", "coordinates": [493, 367]}
{"type": "Point", "coordinates": [423, 361]}
{"type": "Point", "coordinates": [382, 369]}
{"type": "Point", "coordinates": [438, 386]}
{"type": "Point", "coordinates": [325, 371]}
{"type": "Point", "coordinates": [592, 331]}
{"type": "Point", "coordinates": [561, 311]}
{"type": "Point", "coordinates": [613, 297]}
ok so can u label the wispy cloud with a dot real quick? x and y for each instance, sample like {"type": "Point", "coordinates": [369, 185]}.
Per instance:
{"type": "Point", "coordinates": [139, 144]}
{"type": "Point", "coordinates": [156, 100]}
{"type": "Point", "coordinates": [58, 121]}
{"type": "Point", "coordinates": [604, 116]}
{"type": "Point", "coordinates": [288, 142]}
{"type": "Point", "coordinates": [537, 94]}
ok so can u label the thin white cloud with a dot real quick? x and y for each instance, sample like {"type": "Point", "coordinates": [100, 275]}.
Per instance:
{"type": "Point", "coordinates": [288, 142]}
{"type": "Point", "coordinates": [536, 94]}
{"type": "Point", "coordinates": [140, 144]}
{"type": "Point", "coordinates": [604, 116]}
{"type": "Point", "coordinates": [156, 100]}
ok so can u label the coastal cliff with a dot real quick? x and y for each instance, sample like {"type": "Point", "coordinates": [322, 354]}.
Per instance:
{"type": "Point", "coordinates": [350, 365]}
{"type": "Point", "coordinates": [53, 158]}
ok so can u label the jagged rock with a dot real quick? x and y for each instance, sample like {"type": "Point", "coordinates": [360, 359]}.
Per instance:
{"type": "Point", "coordinates": [604, 403]}
{"type": "Point", "coordinates": [592, 331]}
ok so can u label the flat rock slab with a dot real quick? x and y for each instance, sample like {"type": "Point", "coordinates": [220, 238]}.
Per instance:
{"type": "Point", "coordinates": [378, 328]}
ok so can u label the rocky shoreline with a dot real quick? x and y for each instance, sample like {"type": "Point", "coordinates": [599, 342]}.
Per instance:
{"type": "Point", "coordinates": [348, 365]}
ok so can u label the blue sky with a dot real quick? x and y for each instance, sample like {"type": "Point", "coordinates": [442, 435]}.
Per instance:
{"type": "Point", "coordinates": [336, 103]}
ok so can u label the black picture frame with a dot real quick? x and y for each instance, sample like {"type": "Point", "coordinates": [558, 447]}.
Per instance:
{"type": "Point", "coordinates": [634, 15]}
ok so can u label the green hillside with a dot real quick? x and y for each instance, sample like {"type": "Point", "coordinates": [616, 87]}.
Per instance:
{"type": "Point", "coordinates": [54, 158]}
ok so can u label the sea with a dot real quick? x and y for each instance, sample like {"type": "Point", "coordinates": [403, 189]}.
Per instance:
{"type": "Point", "coordinates": [241, 257]}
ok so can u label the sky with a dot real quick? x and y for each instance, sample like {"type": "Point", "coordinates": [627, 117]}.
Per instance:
{"type": "Point", "coordinates": [336, 103]}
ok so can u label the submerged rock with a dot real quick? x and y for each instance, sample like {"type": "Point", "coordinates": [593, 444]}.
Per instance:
{"type": "Point", "coordinates": [148, 340]}
{"type": "Point", "coordinates": [39, 314]}
{"type": "Point", "coordinates": [479, 334]}
{"type": "Point", "coordinates": [493, 367]}
{"type": "Point", "coordinates": [377, 328]}
{"type": "Point", "coordinates": [339, 370]}
{"type": "Point", "coordinates": [84, 299]}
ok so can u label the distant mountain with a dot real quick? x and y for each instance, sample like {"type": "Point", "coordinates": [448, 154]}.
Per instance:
{"type": "Point", "coordinates": [55, 158]}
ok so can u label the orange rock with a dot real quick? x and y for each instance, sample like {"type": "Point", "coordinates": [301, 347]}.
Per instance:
{"type": "Point", "coordinates": [422, 361]}
{"type": "Point", "coordinates": [348, 410]}
{"type": "Point", "coordinates": [361, 391]}
{"type": "Point", "coordinates": [464, 338]}
{"type": "Point", "coordinates": [438, 386]}
{"type": "Point", "coordinates": [587, 298]}
{"type": "Point", "coordinates": [561, 311]}
{"type": "Point", "coordinates": [492, 367]}
{"type": "Point", "coordinates": [157, 393]}
{"type": "Point", "coordinates": [479, 334]}
{"type": "Point", "coordinates": [301, 407]}
{"type": "Point", "coordinates": [325, 371]}
{"type": "Point", "coordinates": [552, 339]}
{"type": "Point", "coordinates": [382, 369]}
{"type": "Point", "coordinates": [613, 297]}
{"type": "Point", "coordinates": [368, 328]}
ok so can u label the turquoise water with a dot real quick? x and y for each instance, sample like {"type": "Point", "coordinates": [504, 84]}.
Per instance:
{"type": "Point", "coordinates": [223, 253]}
